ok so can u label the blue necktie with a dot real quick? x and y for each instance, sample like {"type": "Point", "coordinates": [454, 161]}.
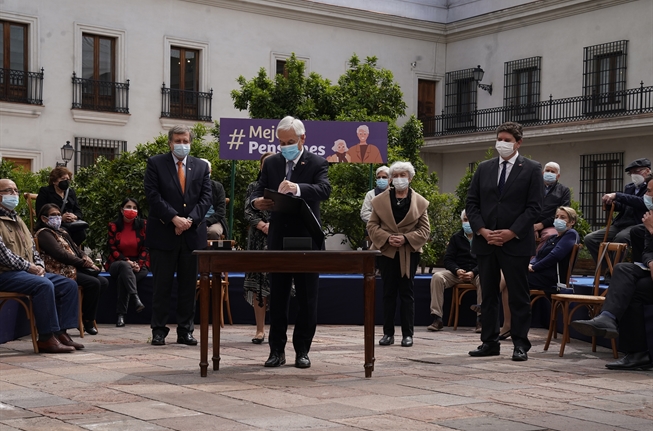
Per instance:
{"type": "Point", "coordinates": [502, 178]}
{"type": "Point", "coordinates": [289, 166]}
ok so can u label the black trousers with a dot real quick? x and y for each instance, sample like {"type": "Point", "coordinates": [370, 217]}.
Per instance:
{"type": "Point", "coordinates": [631, 288]}
{"type": "Point", "coordinates": [637, 234]}
{"type": "Point", "coordinates": [126, 282]}
{"type": "Point", "coordinates": [164, 264]}
{"type": "Point", "coordinates": [92, 287]}
{"type": "Point", "coordinates": [306, 287]}
{"type": "Point", "coordinates": [515, 271]}
{"type": "Point", "coordinates": [393, 284]}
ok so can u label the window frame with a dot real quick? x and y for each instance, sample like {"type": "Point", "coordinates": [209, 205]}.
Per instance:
{"type": "Point", "coordinates": [282, 56]}
{"type": "Point", "coordinates": [459, 112]}
{"type": "Point", "coordinates": [513, 86]}
{"type": "Point", "coordinates": [118, 147]}
{"type": "Point", "coordinates": [120, 65]}
{"type": "Point", "coordinates": [593, 71]}
{"type": "Point", "coordinates": [599, 174]}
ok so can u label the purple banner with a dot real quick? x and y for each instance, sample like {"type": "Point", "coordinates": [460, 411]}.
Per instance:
{"type": "Point", "coordinates": [336, 141]}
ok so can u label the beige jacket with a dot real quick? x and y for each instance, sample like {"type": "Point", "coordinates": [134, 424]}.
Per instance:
{"type": "Point", "coordinates": [415, 227]}
{"type": "Point", "coordinates": [17, 238]}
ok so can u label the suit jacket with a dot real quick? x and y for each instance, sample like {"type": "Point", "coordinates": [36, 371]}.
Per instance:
{"type": "Point", "coordinates": [310, 174]}
{"type": "Point", "coordinates": [515, 209]}
{"type": "Point", "coordinates": [558, 196]}
{"type": "Point", "coordinates": [372, 154]}
{"type": "Point", "coordinates": [164, 196]}
{"type": "Point", "coordinates": [459, 254]}
{"type": "Point", "coordinates": [630, 205]}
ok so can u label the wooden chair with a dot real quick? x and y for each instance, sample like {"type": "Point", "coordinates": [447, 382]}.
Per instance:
{"type": "Point", "coordinates": [26, 302]}
{"type": "Point", "coordinates": [224, 287]}
{"type": "Point", "coordinates": [459, 290]}
{"type": "Point", "coordinates": [30, 198]}
{"type": "Point", "coordinates": [537, 294]}
{"type": "Point", "coordinates": [611, 253]}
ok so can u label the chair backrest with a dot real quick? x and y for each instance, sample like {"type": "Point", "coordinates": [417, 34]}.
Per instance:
{"type": "Point", "coordinates": [30, 198]}
{"type": "Point", "coordinates": [573, 257]}
{"type": "Point", "coordinates": [609, 222]}
{"type": "Point", "coordinates": [610, 253]}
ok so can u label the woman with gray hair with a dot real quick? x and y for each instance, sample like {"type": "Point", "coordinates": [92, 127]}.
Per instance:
{"type": "Point", "coordinates": [399, 227]}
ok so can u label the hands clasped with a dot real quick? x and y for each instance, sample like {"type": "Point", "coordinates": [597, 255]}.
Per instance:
{"type": "Point", "coordinates": [181, 224]}
{"type": "Point", "coordinates": [396, 240]}
{"type": "Point", "coordinates": [498, 237]}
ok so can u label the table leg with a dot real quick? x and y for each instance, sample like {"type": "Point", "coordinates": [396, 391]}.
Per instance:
{"type": "Point", "coordinates": [368, 319]}
{"type": "Point", "coordinates": [216, 295]}
{"type": "Point", "coordinates": [204, 322]}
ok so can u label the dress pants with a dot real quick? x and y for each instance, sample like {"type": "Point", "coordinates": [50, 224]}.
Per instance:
{"type": "Point", "coordinates": [54, 298]}
{"type": "Point", "coordinates": [164, 264]}
{"type": "Point", "coordinates": [637, 234]}
{"type": "Point", "coordinates": [631, 288]}
{"type": "Point", "coordinates": [393, 284]}
{"type": "Point", "coordinates": [92, 286]}
{"type": "Point", "coordinates": [444, 280]}
{"type": "Point", "coordinates": [617, 234]}
{"type": "Point", "coordinates": [306, 287]}
{"type": "Point", "coordinates": [515, 271]}
{"type": "Point", "coordinates": [126, 282]}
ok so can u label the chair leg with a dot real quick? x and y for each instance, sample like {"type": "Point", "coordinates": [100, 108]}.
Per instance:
{"type": "Point", "coordinates": [32, 324]}
{"type": "Point", "coordinates": [615, 354]}
{"type": "Point", "coordinates": [552, 323]}
{"type": "Point", "coordinates": [457, 309]}
{"type": "Point", "coordinates": [80, 323]}
{"type": "Point", "coordinates": [221, 306]}
{"type": "Point", "coordinates": [225, 287]}
{"type": "Point", "coordinates": [453, 305]}
{"type": "Point", "coordinates": [565, 333]}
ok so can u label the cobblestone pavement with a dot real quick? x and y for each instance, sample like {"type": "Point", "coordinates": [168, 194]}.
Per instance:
{"type": "Point", "coordinates": [120, 382]}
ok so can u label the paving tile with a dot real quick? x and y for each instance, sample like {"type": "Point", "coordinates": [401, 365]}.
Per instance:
{"type": "Point", "coordinates": [11, 412]}
{"type": "Point", "coordinates": [272, 398]}
{"type": "Point", "coordinates": [442, 399]}
{"type": "Point", "coordinates": [489, 424]}
{"type": "Point", "coordinates": [435, 413]}
{"type": "Point", "coordinates": [331, 410]}
{"type": "Point", "coordinates": [196, 400]}
{"type": "Point", "coordinates": [609, 418]}
{"type": "Point", "coordinates": [42, 423]}
{"type": "Point", "coordinates": [389, 423]}
{"type": "Point", "coordinates": [288, 422]}
{"type": "Point", "coordinates": [148, 410]}
{"type": "Point", "coordinates": [203, 422]}
{"type": "Point", "coordinates": [505, 411]}
{"type": "Point", "coordinates": [564, 423]}
{"type": "Point", "coordinates": [125, 425]}
{"type": "Point", "coordinates": [379, 403]}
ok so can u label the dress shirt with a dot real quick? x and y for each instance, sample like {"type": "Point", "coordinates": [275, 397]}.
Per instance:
{"type": "Point", "coordinates": [509, 166]}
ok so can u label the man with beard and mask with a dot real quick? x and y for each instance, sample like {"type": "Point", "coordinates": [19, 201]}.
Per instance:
{"type": "Point", "coordinates": [629, 204]}
{"type": "Point", "coordinates": [503, 202]}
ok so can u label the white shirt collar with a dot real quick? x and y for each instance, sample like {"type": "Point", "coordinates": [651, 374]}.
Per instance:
{"type": "Point", "coordinates": [511, 161]}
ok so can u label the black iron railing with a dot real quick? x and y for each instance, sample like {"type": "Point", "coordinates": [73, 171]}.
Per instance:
{"type": "Point", "coordinates": [186, 105]}
{"type": "Point", "coordinates": [614, 104]}
{"type": "Point", "coordinates": [100, 95]}
{"type": "Point", "coordinates": [21, 87]}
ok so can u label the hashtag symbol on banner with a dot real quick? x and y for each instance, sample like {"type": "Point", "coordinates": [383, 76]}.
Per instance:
{"type": "Point", "coordinates": [236, 139]}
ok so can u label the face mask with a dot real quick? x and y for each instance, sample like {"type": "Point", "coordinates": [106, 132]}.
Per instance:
{"type": "Point", "coordinates": [130, 214]}
{"type": "Point", "coordinates": [290, 152]}
{"type": "Point", "coordinates": [549, 177]}
{"type": "Point", "coordinates": [10, 201]}
{"type": "Point", "coordinates": [504, 149]}
{"type": "Point", "coordinates": [637, 179]}
{"type": "Point", "coordinates": [400, 183]}
{"type": "Point", "coordinates": [54, 222]}
{"type": "Point", "coordinates": [648, 201]}
{"type": "Point", "coordinates": [63, 185]}
{"type": "Point", "coordinates": [560, 225]}
{"type": "Point", "coordinates": [382, 183]}
{"type": "Point", "coordinates": [467, 227]}
{"type": "Point", "coordinates": [181, 150]}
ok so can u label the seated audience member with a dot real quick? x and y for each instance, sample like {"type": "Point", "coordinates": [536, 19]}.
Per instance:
{"type": "Point", "coordinates": [216, 224]}
{"type": "Point", "coordinates": [556, 195]}
{"type": "Point", "coordinates": [461, 267]}
{"type": "Point", "coordinates": [62, 256]}
{"type": "Point", "coordinates": [638, 232]}
{"type": "Point", "coordinates": [622, 313]}
{"type": "Point", "coordinates": [629, 204]}
{"type": "Point", "coordinates": [54, 297]}
{"type": "Point", "coordinates": [128, 261]}
{"type": "Point", "coordinates": [382, 183]}
{"type": "Point", "coordinates": [56, 193]}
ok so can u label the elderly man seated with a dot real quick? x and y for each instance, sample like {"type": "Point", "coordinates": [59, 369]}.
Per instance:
{"type": "Point", "coordinates": [461, 268]}
{"type": "Point", "coordinates": [54, 297]}
{"type": "Point", "coordinates": [556, 195]}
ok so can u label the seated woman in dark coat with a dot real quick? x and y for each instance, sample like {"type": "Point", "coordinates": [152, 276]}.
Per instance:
{"type": "Point", "coordinates": [56, 193]}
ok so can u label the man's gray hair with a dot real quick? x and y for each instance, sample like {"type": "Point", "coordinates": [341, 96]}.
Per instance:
{"type": "Point", "coordinates": [463, 214]}
{"type": "Point", "coordinates": [363, 127]}
{"type": "Point", "coordinates": [553, 165]}
{"type": "Point", "coordinates": [207, 162]}
{"type": "Point", "coordinates": [402, 167]}
{"type": "Point", "coordinates": [179, 130]}
{"type": "Point", "coordinates": [291, 123]}
{"type": "Point", "coordinates": [383, 168]}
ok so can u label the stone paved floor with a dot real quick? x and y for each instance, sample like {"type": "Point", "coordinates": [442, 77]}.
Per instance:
{"type": "Point", "coordinates": [119, 382]}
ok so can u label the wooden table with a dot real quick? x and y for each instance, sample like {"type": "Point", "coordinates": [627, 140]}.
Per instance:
{"type": "Point", "coordinates": [332, 262]}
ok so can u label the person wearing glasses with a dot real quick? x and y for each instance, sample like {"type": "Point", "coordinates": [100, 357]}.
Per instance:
{"type": "Point", "coordinates": [54, 297]}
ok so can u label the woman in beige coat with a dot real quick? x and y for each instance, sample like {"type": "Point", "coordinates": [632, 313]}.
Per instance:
{"type": "Point", "coordinates": [399, 227]}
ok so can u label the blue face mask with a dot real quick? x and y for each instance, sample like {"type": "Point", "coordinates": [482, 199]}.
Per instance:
{"type": "Point", "coordinates": [290, 152]}
{"type": "Point", "coordinates": [648, 201]}
{"type": "Point", "coordinates": [467, 227]}
{"type": "Point", "coordinates": [10, 201]}
{"type": "Point", "coordinates": [549, 177]}
{"type": "Point", "coordinates": [560, 225]}
{"type": "Point", "coordinates": [181, 150]}
{"type": "Point", "coordinates": [382, 183]}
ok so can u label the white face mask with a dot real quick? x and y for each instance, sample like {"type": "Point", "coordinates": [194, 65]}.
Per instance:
{"type": "Point", "coordinates": [504, 148]}
{"type": "Point", "coordinates": [637, 179]}
{"type": "Point", "coordinates": [400, 183]}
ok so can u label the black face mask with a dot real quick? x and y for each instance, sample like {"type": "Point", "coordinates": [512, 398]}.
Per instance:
{"type": "Point", "coordinates": [63, 185]}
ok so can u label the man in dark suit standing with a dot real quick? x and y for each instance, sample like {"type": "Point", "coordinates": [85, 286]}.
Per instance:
{"type": "Point", "coordinates": [297, 172]}
{"type": "Point", "coordinates": [178, 191]}
{"type": "Point", "coordinates": [503, 202]}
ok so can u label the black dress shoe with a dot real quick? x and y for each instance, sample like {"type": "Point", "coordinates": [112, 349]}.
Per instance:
{"type": "Point", "coordinates": [302, 361]}
{"type": "Point", "coordinates": [276, 359]}
{"type": "Point", "coordinates": [386, 340]}
{"type": "Point", "coordinates": [407, 341]}
{"type": "Point", "coordinates": [258, 340]}
{"type": "Point", "coordinates": [186, 339]}
{"type": "Point", "coordinates": [121, 321]}
{"type": "Point", "coordinates": [486, 349]}
{"type": "Point", "coordinates": [158, 340]}
{"type": "Point", "coordinates": [600, 326]}
{"type": "Point", "coordinates": [137, 302]}
{"type": "Point", "coordinates": [632, 361]}
{"type": "Point", "coordinates": [89, 327]}
{"type": "Point", "coordinates": [519, 354]}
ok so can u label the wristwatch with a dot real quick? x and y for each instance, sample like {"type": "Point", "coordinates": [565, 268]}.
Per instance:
{"type": "Point", "coordinates": [190, 219]}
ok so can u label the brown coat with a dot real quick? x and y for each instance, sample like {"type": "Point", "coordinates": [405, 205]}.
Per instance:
{"type": "Point", "coordinates": [415, 227]}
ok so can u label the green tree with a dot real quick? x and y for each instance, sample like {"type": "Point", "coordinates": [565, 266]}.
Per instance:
{"type": "Point", "coordinates": [26, 182]}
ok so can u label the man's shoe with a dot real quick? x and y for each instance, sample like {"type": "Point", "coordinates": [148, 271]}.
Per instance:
{"type": "Point", "coordinates": [407, 341]}
{"type": "Point", "coordinates": [386, 340]}
{"type": "Point", "coordinates": [476, 308]}
{"type": "Point", "coordinates": [186, 339]}
{"type": "Point", "coordinates": [158, 340]}
{"type": "Point", "coordinates": [65, 339]}
{"type": "Point", "coordinates": [600, 326]}
{"type": "Point", "coordinates": [302, 361]}
{"type": "Point", "coordinates": [486, 349]}
{"type": "Point", "coordinates": [137, 303]}
{"type": "Point", "coordinates": [519, 354]}
{"type": "Point", "coordinates": [276, 359]}
{"type": "Point", "coordinates": [121, 321]}
{"type": "Point", "coordinates": [632, 361]}
{"type": "Point", "coordinates": [479, 327]}
{"type": "Point", "coordinates": [53, 345]}
{"type": "Point", "coordinates": [437, 324]}
{"type": "Point", "coordinates": [89, 327]}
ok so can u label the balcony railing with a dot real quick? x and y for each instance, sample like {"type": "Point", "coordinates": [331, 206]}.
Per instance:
{"type": "Point", "coordinates": [19, 86]}
{"type": "Point", "coordinates": [100, 95]}
{"type": "Point", "coordinates": [614, 104]}
{"type": "Point", "coordinates": [186, 105]}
